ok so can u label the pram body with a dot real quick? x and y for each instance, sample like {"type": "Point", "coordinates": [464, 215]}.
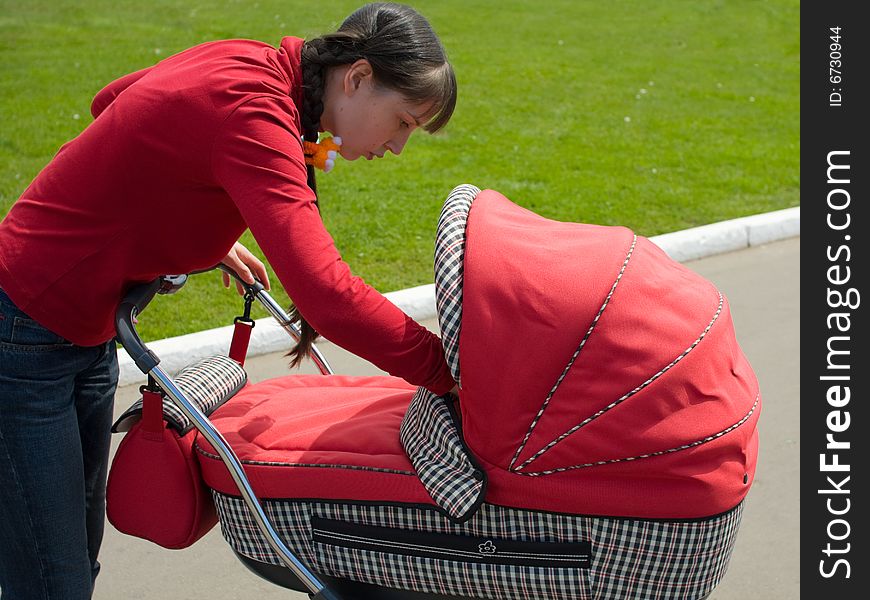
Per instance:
{"type": "Point", "coordinates": [601, 446]}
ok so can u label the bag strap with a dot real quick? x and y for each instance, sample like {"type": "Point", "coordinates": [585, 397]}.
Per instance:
{"type": "Point", "coordinates": [152, 408]}
{"type": "Point", "coordinates": [243, 326]}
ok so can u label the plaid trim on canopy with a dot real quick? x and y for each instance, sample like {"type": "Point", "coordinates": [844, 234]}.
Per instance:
{"type": "Point", "coordinates": [630, 558]}
{"type": "Point", "coordinates": [434, 444]}
{"type": "Point", "coordinates": [208, 383]}
{"type": "Point", "coordinates": [449, 256]}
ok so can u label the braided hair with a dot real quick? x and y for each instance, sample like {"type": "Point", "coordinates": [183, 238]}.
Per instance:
{"type": "Point", "coordinates": [406, 56]}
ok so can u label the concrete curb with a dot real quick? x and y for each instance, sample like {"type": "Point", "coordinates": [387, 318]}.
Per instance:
{"type": "Point", "coordinates": [419, 302]}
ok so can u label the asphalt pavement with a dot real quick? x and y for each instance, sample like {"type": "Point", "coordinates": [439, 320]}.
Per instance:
{"type": "Point", "coordinates": [762, 284]}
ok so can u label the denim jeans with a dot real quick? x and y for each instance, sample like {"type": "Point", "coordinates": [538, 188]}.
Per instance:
{"type": "Point", "coordinates": [55, 414]}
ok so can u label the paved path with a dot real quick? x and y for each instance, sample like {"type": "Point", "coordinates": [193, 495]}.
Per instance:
{"type": "Point", "coordinates": [762, 284]}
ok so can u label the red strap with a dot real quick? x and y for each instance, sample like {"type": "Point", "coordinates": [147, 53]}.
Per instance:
{"type": "Point", "coordinates": [241, 338]}
{"type": "Point", "coordinates": [152, 412]}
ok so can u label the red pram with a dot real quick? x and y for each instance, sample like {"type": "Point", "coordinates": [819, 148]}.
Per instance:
{"type": "Point", "coordinates": [601, 447]}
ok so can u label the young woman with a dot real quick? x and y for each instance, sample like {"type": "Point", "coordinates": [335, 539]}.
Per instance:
{"type": "Point", "coordinates": [180, 159]}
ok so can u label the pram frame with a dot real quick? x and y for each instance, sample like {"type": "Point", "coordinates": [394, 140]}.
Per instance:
{"type": "Point", "coordinates": [132, 305]}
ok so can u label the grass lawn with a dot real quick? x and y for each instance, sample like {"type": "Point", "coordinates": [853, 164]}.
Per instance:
{"type": "Point", "coordinates": [654, 115]}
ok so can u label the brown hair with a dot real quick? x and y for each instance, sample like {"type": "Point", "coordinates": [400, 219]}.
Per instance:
{"type": "Point", "coordinates": [406, 56]}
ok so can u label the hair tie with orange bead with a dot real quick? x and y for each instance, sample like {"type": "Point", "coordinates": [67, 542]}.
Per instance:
{"type": "Point", "coordinates": [322, 154]}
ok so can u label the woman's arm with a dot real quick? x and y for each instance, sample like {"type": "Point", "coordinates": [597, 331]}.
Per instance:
{"type": "Point", "coordinates": [257, 158]}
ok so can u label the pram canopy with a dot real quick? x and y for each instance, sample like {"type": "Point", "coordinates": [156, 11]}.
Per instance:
{"type": "Point", "coordinates": [592, 362]}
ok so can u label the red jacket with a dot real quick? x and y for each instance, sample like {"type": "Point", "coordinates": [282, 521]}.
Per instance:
{"type": "Point", "coordinates": [181, 158]}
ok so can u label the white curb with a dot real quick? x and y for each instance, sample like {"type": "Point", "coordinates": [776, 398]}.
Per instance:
{"type": "Point", "coordinates": [419, 302]}
{"type": "Point", "coordinates": [726, 236]}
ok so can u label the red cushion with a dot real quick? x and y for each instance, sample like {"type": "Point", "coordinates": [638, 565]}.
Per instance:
{"type": "Point", "coordinates": [310, 436]}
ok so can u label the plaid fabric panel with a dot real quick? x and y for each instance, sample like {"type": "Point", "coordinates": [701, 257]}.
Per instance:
{"type": "Point", "coordinates": [434, 445]}
{"type": "Point", "coordinates": [662, 559]}
{"type": "Point", "coordinates": [292, 521]}
{"type": "Point", "coordinates": [631, 559]}
{"type": "Point", "coordinates": [207, 383]}
{"type": "Point", "coordinates": [449, 257]}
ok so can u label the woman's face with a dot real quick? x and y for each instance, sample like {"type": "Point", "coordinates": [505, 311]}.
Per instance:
{"type": "Point", "coordinates": [370, 120]}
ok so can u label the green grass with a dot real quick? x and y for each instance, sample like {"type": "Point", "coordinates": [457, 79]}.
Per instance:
{"type": "Point", "coordinates": [654, 115]}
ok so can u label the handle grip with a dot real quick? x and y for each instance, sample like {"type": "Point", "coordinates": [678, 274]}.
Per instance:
{"type": "Point", "coordinates": [134, 302]}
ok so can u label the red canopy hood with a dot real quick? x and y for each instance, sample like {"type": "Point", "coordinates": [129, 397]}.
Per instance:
{"type": "Point", "coordinates": [587, 356]}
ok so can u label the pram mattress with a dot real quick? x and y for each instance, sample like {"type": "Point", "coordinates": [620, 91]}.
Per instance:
{"type": "Point", "coordinates": [313, 436]}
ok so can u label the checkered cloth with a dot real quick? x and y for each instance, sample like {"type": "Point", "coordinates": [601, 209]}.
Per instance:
{"type": "Point", "coordinates": [627, 558]}
{"type": "Point", "coordinates": [208, 383]}
{"type": "Point", "coordinates": [434, 444]}
{"type": "Point", "coordinates": [449, 258]}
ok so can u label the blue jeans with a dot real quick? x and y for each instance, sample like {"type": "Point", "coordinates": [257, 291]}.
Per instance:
{"type": "Point", "coordinates": [55, 415]}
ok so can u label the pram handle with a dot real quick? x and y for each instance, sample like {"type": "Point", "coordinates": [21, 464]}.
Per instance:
{"type": "Point", "coordinates": [134, 303]}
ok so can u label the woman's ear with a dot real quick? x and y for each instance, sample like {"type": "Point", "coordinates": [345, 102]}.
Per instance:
{"type": "Point", "coordinates": [356, 75]}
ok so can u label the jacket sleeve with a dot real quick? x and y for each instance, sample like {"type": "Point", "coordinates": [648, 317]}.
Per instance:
{"type": "Point", "coordinates": [108, 94]}
{"type": "Point", "coordinates": [257, 159]}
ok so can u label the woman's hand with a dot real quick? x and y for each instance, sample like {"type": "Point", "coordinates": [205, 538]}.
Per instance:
{"type": "Point", "coordinates": [246, 265]}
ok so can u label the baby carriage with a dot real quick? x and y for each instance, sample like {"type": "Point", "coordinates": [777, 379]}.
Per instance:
{"type": "Point", "coordinates": [601, 446]}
